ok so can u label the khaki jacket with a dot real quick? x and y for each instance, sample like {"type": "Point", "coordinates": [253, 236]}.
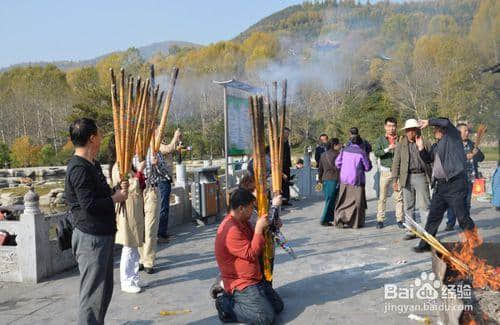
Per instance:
{"type": "Point", "coordinates": [401, 162]}
{"type": "Point", "coordinates": [130, 224]}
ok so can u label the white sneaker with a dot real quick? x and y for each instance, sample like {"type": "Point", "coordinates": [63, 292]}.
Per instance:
{"type": "Point", "coordinates": [131, 288]}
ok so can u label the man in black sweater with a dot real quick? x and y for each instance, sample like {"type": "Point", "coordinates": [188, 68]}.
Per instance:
{"type": "Point", "coordinates": [92, 204]}
{"type": "Point", "coordinates": [321, 148]}
{"type": "Point", "coordinates": [287, 165]}
{"type": "Point", "coordinates": [449, 174]}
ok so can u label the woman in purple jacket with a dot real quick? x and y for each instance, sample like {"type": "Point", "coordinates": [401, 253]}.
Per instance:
{"type": "Point", "coordinates": [353, 162]}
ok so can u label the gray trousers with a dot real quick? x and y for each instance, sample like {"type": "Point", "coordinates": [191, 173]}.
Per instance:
{"type": "Point", "coordinates": [416, 194]}
{"type": "Point", "coordinates": [94, 255]}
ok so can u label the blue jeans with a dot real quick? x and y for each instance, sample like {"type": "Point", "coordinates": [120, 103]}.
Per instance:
{"type": "Point", "coordinates": [452, 218]}
{"type": "Point", "coordinates": [256, 304]}
{"type": "Point", "coordinates": [164, 188]}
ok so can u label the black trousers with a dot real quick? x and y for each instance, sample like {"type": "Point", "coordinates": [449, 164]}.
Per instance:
{"type": "Point", "coordinates": [448, 194]}
{"type": "Point", "coordinates": [256, 304]}
{"type": "Point", "coordinates": [285, 187]}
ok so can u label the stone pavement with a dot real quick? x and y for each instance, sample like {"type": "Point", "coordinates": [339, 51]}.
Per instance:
{"type": "Point", "coordinates": [338, 277]}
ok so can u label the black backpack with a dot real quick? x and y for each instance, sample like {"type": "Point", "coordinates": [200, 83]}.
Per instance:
{"type": "Point", "coordinates": [64, 230]}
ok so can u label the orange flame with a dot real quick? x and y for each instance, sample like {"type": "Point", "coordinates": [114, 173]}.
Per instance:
{"type": "Point", "coordinates": [482, 274]}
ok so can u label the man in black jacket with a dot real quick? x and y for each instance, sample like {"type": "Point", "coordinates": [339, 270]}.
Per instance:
{"type": "Point", "coordinates": [321, 148]}
{"type": "Point", "coordinates": [449, 172]}
{"type": "Point", "coordinates": [92, 204]}
{"type": "Point", "coordinates": [474, 156]}
{"type": "Point", "coordinates": [365, 145]}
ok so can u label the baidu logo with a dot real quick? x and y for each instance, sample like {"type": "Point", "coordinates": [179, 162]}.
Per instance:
{"type": "Point", "coordinates": [424, 287]}
{"type": "Point", "coordinates": [422, 295]}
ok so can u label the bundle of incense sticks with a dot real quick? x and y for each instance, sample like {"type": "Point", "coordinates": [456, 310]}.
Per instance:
{"type": "Point", "coordinates": [135, 117]}
{"type": "Point", "coordinates": [259, 159]}
{"type": "Point", "coordinates": [149, 121]}
{"type": "Point", "coordinates": [126, 119]}
{"type": "Point", "coordinates": [166, 108]}
{"type": "Point", "coordinates": [415, 228]}
{"type": "Point", "coordinates": [481, 131]}
{"type": "Point", "coordinates": [276, 140]}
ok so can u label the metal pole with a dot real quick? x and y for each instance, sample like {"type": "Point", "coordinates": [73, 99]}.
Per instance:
{"type": "Point", "coordinates": [226, 142]}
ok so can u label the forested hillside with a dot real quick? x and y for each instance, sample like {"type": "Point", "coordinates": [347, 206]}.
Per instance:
{"type": "Point", "coordinates": [347, 65]}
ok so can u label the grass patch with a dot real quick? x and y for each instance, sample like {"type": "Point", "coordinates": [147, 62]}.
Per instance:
{"type": "Point", "coordinates": [490, 153]}
{"type": "Point", "coordinates": [39, 189]}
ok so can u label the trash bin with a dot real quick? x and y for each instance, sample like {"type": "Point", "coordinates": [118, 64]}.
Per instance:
{"type": "Point", "coordinates": [205, 193]}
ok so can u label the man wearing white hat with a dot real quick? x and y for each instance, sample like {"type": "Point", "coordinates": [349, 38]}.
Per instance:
{"type": "Point", "coordinates": [412, 174]}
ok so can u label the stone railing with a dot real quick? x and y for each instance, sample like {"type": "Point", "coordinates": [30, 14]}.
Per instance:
{"type": "Point", "coordinates": [36, 255]}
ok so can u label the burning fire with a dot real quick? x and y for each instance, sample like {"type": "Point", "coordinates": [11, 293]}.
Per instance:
{"type": "Point", "coordinates": [482, 274]}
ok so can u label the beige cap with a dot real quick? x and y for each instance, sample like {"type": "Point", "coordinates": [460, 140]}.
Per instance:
{"type": "Point", "coordinates": [411, 124]}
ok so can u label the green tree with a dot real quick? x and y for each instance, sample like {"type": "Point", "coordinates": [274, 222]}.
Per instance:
{"type": "Point", "coordinates": [4, 155]}
{"type": "Point", "coordinates": [443, 24]}
{"type": "Point", "coordinates": [485, 30]}
{"type": "Point", "coordinates": [47, 155]}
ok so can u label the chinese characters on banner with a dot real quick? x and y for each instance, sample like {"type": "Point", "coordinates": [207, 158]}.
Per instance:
{"type": "Point", "coordinates": [239, 127]}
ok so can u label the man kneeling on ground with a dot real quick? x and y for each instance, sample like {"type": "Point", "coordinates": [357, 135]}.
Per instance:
{"type": "Point", "coordinates": [247, 297]}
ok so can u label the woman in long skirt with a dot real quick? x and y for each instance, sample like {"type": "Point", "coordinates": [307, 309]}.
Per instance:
{"type": "Point", "coordinates": [351, 206]}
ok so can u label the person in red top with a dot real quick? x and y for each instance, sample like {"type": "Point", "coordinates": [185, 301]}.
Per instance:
{"type": "Point", "coordinates": [247, 297]}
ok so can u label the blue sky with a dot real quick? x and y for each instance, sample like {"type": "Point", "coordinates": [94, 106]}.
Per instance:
{"type": "Point", "coordinates": [48, 30]}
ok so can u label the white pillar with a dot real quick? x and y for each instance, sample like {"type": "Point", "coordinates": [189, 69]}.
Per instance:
{"type": "Point", "coordinates": [306, 176]}
{"type": "Point", "coordinates": [32, 258]}
{"type": "Point", "coordinates": [180, 175]}
{"type": "Point", "coordinates": [230, 171]}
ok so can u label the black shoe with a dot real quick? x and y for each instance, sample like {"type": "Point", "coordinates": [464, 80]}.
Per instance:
{"type": "Point", "coordinates": [449, 228]}
{"type": "Point", "coordinates": [400, 225]}
{"type": "Point", "coordinates": [409, 237]}
{"type": "Point", "coordinates": [380, 225]}
{"type": "Point", "coordinates": [149, 270]}
{"type": "Point", "coordinates": [141, 267]}
{"type": "Point", "coordinates": [215, 289]}
{"type": "Point", "coordinates": [421, 249]}
{"type": "Point", "coordinates": [164, 238]}
{"type": "Point", "coordinates": [221, 303]}
{"type": "Point", "coordinates": [326, 224]}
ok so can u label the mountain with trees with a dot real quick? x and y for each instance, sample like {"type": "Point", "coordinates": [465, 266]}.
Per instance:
{"type": "Point", "coordinates": [347, 64]}
{"type": "Point", "coordinates": [146, 52]}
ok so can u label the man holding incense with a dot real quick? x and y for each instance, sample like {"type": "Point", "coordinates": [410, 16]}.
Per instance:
{"type": "Point", "coordinates": [165, 179]}
{"type": "Point", "coordinates": [449, 171]}
{"type": "Point", "coordinates": [247, 297]}
{"type": "Point", "coordinates": [287, 165]}
{"type": "Point", "coordinates": [92, 204]}
{"type": "Point", "coordinates": [158, 175]}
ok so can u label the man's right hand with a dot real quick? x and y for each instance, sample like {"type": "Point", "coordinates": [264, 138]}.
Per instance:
{"type": "Point", "coordinates": [261, 225]}
{"type": "Point", "coordinates": [119, 196]}
{"type": "Point", "coordinates": [419, 141]}
{"type": "Point", "coordinates": [124, 185]}
{"type": "Point", "coordinates": [392, 146]}
{"type": "Point", "coordinates": [395, 186]}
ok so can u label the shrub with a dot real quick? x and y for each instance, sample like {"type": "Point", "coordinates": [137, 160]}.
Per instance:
{"type": "Point", "coordinates": [24, 152]}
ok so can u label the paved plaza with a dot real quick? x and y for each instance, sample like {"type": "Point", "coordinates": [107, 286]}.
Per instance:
{"type": "Point", "coordinates": [338, 277]}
